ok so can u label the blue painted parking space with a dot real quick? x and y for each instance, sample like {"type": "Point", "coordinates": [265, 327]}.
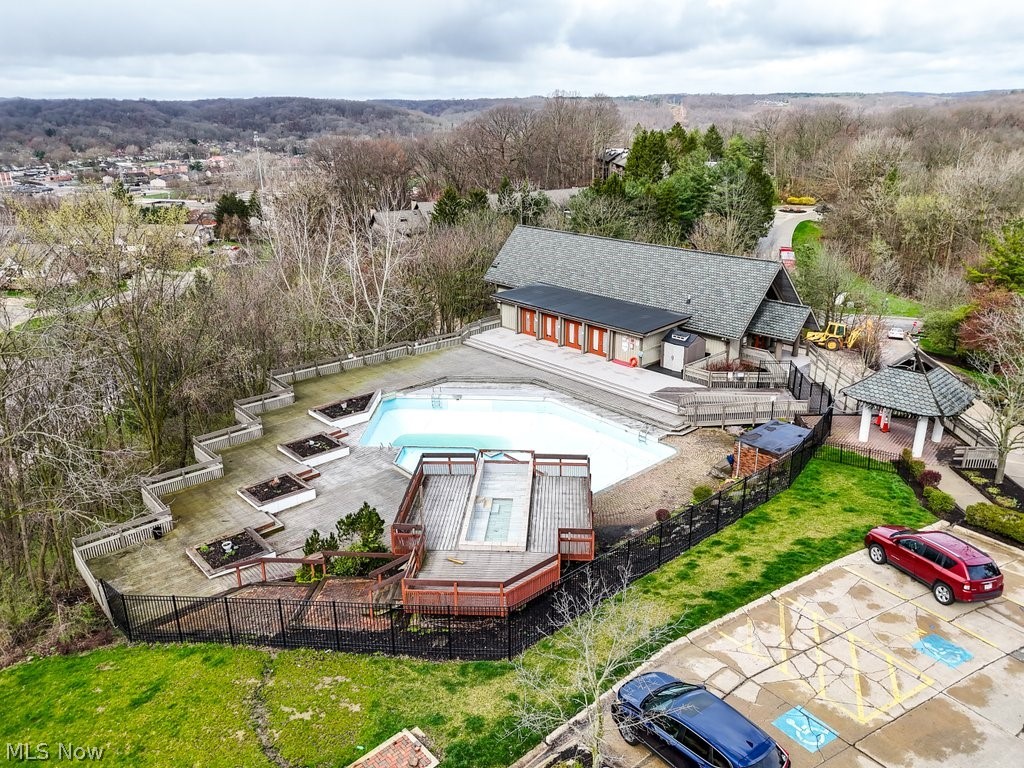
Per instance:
{"type": "Point", "coordinates": [805, 729]}
{"type": "Point", "coordinates": [941, 649]}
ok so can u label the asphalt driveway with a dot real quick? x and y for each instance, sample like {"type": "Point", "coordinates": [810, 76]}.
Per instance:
{"type": "Point", "coordinates": [858, 665]}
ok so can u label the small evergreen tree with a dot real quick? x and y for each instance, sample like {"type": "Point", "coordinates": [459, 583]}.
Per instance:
{"type": "Point", "coordinates": [476, 200]}
{"type": "Point", "coordinates": [232, 213]}
{"type": "Point", "coordinates": [449, 208]}
{"type": "Point", "coordinates": [713, 142]}
{"type": "Point", "coordinates": [1004, 263]}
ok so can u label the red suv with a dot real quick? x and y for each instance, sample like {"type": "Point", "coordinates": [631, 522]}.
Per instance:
{"type": "Point", "coordinates": [950, 566]}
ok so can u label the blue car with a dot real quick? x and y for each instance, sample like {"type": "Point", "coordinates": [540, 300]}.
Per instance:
{"type": "Point", "coordinates": [689, 727]}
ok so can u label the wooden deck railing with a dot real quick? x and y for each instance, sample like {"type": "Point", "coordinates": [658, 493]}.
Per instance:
{"type": "Point", "coordinates": [468, 597]}
{"type": "Point", "coordinates": [567, 465]}
{"type": "Point", "coordinates": [318, 560]}
{"type": "Point", "coordinates": [577, 543]}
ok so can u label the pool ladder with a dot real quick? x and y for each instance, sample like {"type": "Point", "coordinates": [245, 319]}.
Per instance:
{"type": "Point", "coordinates": [642, 437]}
{"type": "Point", "coordinates": [435, 398]}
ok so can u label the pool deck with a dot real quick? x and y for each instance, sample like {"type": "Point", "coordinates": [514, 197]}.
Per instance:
{"type": "Point", "coordinates": [205, 512]}
{"type": "Point", "coordinates": [540, 506]}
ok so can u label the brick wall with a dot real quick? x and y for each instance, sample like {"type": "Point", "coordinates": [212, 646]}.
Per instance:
{"type": "Point", "coordinates": [748, 460]}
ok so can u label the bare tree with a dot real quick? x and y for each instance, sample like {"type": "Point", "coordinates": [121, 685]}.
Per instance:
{"type": "Point", "coordinates": [606, 626]}
{"type": "Point", "coordinates": [999, 337]}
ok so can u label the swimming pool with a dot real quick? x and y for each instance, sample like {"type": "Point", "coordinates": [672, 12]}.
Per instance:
{"type": "Point", "coordinates": [422, 423]}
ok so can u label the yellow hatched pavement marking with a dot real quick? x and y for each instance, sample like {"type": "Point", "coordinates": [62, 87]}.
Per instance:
{"type": "Point", "coordinates": [748, 646]}
{"type": "Point", "coordinates": [864, 712]}
{"type": "Point", "coordinates": [782, 637]}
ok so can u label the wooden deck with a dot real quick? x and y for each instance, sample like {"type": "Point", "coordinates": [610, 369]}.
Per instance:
{"type": "Point", "coordinates": [558, 502]}
{"type": "Point", "coordinates": [443, 507]}
{"type": "Point", "coordinates": [478, 565]}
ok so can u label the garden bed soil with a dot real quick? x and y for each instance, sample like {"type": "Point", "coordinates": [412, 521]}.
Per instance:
{"type": "Point", "coordinates": [1008, 488]}
{"type": "Point", "coordinates": [347, 407]}
{"type": "Point", "coordinates": [313, 445]}
{"type": "Point", "coordinates": [245, 546]}
{"type": "Point", "coordinates": [275, 488]}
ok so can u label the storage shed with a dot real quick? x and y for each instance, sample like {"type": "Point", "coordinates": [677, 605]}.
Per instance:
{"type": "Point", "coordinates": [679, 348]}
{"type": "Point", "coordinates": [763, 445]}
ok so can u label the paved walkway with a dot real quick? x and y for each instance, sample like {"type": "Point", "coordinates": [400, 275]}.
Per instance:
{"type": "Point", "coordinates": [961, 490]}
{"type": "Point", "coordinates": [858, 665]}
{"type": "Point", "coordinates": [593, 367]}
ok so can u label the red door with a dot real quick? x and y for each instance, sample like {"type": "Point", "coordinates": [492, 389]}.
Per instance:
{"type": "Point", "coordinates": [595, 343]}
{"type": "Point", "coordinates": [528, 322]}
{"type": "Point", "coordinates": [573, 334]}
{"type": "Point", "coordinates": [549, 328]}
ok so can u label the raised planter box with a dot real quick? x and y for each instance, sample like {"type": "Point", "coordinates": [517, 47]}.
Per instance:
{"type": "Point", "coordinates": [351, 410]}
{"type": "Point", "coordinates": [278, 493]}
{"type": "Point", "coordinates": [315, 449]}
{"type": "Point", "coordinates": [216, 558]}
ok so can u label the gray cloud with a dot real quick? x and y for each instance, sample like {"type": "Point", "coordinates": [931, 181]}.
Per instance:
{"type": "Point", "coordinates": [462, 48]}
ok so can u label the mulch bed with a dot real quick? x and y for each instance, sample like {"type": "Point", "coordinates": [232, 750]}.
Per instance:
{"type": "Point", "coordinates": [1008, 488]}
{"type": "Point", "coordinates": [347, 407]}
{"type": "Point", "coordinates": [274, 488]}
{"type": "Point", "coordinates": [312, 445]}
{"type": "Point", "coordinates": [244, 547]}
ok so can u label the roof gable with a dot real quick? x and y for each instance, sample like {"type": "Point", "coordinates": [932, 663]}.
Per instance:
{"type": "Point", "coordinates": [721, 293]}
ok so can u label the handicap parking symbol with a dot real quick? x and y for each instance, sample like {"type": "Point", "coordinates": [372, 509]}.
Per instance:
{"type": "Point", "coordinates": [940, 649]}
{"type": "Point", "coordinates": [805, 729]}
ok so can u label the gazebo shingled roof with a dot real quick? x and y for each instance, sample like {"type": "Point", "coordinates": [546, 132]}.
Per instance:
{"type": "Point", "coordinates": [916, 386]}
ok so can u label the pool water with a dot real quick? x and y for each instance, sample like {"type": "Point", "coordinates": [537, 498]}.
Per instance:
{"type": "Point", "coordinates": [421, 424]}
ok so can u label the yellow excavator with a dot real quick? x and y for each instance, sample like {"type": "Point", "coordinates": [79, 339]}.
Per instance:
{"type": "Point", "coordinates": [836, 336]}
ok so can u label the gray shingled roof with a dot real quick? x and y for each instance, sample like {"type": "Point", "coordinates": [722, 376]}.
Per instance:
{"type": "Point", "coordinates": [779, 320]}
{"type": "Point", "coordinates": [724, 291]}
{"type": "Point", "coordinates": [936, 392]}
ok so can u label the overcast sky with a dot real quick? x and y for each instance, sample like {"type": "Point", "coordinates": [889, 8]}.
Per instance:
{"type": "Point", "coordinates": [360, 49]}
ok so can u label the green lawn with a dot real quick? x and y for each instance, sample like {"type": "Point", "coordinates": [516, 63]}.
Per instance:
{"type": "Point", "coordinates": [174, 705]}
{"type": "Point", "coordinates": [808, 233]}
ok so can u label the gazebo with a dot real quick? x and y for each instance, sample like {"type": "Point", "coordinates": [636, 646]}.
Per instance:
{"type": "Point", "coordinates": [915, 386]}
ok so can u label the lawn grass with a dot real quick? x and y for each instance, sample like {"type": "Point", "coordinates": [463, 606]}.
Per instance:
{"type": "Point", "coordinates": [806, 240]}
{"type": "Point", "coordinates": [167, 706]}
{"type": "Point", "coordinates": [328, 708]}
{"type": "Point", "coordinates": [806, 233]}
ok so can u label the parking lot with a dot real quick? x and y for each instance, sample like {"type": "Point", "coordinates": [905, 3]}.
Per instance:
{"type": "Point", "coordinates": [858, 665]}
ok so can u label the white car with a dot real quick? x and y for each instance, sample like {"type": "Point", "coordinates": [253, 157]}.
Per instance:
{"type": "Point", "coordinates": [897, 333]}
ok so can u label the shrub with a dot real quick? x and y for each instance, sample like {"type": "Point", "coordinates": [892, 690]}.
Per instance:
{"type": "Point", "coordinates": [662, 515]}
{"type": "Point", "coordinates": [997, 519]}
{"type": "Point", "coordinates": [702, 493]}
{"type": "Point", "coordinates": [355, 566]}
{"type": "Point", "coordinates": [938, 502]}
{"type": "Point", "coordinates": [366, 525]}
{"type": "Point", "coordinates": [978, 480]}
{"type": "Point", "coordinates": [801, 200]}
{"type": "Point", "coordinates": [306, 575]}
{"type": "Point", "coordinates": [1006, 501]}
{"type": "Point", "coordinates": [930, 478]}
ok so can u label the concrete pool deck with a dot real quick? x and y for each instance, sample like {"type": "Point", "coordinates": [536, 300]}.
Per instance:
{"type": "Point", "coordinates": [205, 512]}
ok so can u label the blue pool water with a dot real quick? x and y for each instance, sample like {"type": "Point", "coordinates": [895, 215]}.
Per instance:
{"type": "Point", "coordinates": [419, 424]}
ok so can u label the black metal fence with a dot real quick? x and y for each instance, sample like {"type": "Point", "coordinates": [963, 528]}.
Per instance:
{"type": "Point", "coordinates": [401, 630]}
{"type": "Point", "coordinates": [860, 457]}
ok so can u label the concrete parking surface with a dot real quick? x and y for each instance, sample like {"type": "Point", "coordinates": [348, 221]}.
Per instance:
{"type": "Point", "coordinates": [858, 665]}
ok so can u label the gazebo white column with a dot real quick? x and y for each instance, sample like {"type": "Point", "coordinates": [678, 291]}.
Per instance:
{"type": "Point", "coordinates": [919, 435]}
{"type": "Point", "coordinates": [937, 430]}
{"type": "Point", "coordinates": [865, 423]}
